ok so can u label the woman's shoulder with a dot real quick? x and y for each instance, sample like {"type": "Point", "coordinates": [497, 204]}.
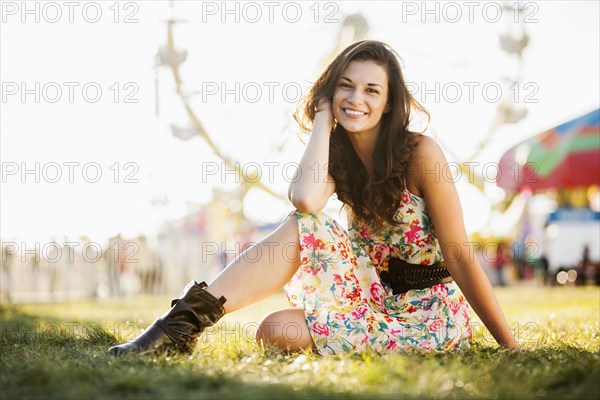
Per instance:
{"type": "Point", "coordinates": [426, 162]}
{"type": "Point", "coordinates": [426, 148]}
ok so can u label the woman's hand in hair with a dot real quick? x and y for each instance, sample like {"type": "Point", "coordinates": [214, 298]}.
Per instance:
{"type": "Point", "coordinates": [324, 114]}
{"type": "Point", "coordinates": [312, 187]}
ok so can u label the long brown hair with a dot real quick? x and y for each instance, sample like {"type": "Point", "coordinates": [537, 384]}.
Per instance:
{"type": "Point", "coordinates": [372, 199]}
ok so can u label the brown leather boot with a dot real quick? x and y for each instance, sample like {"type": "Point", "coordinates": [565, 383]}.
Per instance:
{"type": "Point", "coordinates": [179, 328]}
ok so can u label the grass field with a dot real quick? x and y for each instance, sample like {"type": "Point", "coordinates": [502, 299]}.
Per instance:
{"type": "Point", "coordinates": [58, 351]}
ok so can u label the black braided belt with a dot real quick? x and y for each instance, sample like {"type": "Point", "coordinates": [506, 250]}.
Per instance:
{"type": "Point", "coordinates": [402, 276]}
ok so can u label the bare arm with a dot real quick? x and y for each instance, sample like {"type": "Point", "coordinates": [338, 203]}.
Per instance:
{"type": "Point", "coordinates": [447, 217]}
{"type": "Point", "coordinates": [312, 187]}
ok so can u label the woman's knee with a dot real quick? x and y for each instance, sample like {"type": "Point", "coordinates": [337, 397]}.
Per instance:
{"type": "Point", "coordinates": [285, 329]}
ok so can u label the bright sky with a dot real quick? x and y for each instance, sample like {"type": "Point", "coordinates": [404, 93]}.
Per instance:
{"type": "Point", "coordinates": [561, 66]}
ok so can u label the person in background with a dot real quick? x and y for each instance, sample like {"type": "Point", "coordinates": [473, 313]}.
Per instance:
{"type": "Point", "coordinates": [500, 261]}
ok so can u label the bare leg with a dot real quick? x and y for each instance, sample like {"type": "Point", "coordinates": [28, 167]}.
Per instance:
{"type": "Point", "coordinates": [261, 270]}
{"type": "Point", "coordinates": [257, 273]}
{"type": "Point", "coordinates": [285, 329]}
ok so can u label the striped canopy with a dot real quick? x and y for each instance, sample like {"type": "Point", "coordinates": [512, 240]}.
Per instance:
{"type": "Point", "coordinates": [565, 156]}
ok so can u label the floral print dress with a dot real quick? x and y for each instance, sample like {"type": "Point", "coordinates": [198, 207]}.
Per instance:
{"type": "Point", "coordinates": [347, 307]}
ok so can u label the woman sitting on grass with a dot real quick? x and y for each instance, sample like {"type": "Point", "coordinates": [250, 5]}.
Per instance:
{"type": "Point", "coordinates": [396, 279]}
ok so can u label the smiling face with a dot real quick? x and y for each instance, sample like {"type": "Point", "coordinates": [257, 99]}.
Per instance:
{"type": "Point", "coordinates": [360, 98]}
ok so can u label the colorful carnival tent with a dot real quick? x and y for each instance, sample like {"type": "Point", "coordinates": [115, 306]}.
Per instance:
{"type": "Point", "coordinates": [565, 156]}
